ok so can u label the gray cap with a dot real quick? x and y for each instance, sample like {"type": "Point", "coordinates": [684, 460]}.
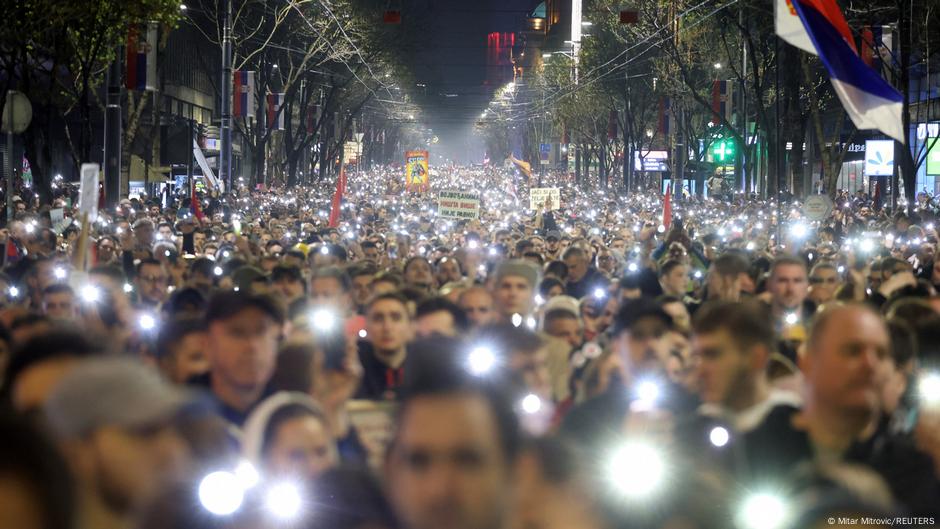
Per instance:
{"type": "Point", "coordinates": [518, 267]}
{"type": "Point", "coordinates": [111, 392]}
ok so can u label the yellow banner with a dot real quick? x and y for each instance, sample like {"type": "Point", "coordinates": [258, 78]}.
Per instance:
{"type": "Point", "coordinates": [416, 171]}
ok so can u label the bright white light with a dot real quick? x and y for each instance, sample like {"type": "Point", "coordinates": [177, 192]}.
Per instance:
{"type": "Point", "coordinates": [750, 246]}
{"type": "Point", "coordinates": [539, 300]}
{"type": "Point", "coordinates": [929, 388]}
{"type": "Point", "coordinates": [763, 511]}
{"type": "Point", "coordinates": [247, 475]}
{"type": "Point", "coordinates": [472, 245]}
{"type": "Point", "coordinates": [14, 292]}
{"type": "Point", "coordinates": [147, 322]}
{"type": "Point", "coordinates": [636, 469]}
{"type": "Point", "coordinates": [866, 245]}
{"type": "Point", "coordinates": [91, 293]}
{"type": "Point", "coordinates": [325, 250]}
{"type": "Point", "coordinates": [493, 251]}
{"type": "Point", "coordinates": [220, 493]}
{"type": "Point", "coordinates": [531, 322]}
{"type": "Point", "coordinates": [217, 270]}
{"type": "Point", "coordinates": [841, 269]}
{"type": "Point", "coordinates": [284, 501]}
{"type": "Point", "coordinates": [531, 404]}
{"type": "Point", "coordinates": [661, 229]}
{"type": "Point", "coordinates": [128, 288]}
{"type": "Point", "coordinates": [481, 360]}
{"type": "Point", "coordinates": [791, 318]}
{"type": "Point", "coordinates": [516, 320]}
{"type": "Point", "coordinates": [59, 272]}
{"type": "Point", "coordinates": [719, 436]}
{"type": "Point", "coordinates": [698, 274]}
{"type": "Point", "coordinates": [647, 393]}
{"type": "Point", "coordinates": [798, 230]}
{"type": "Point", "coordinates": [363, 334]}
{"type": "Point", "coordinates": [633, 267]}
{"type": "Point", "coordinates": [323, 320]}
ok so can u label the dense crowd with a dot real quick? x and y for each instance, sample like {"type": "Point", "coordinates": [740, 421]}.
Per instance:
{"type": "Point", "coordinates": [255, 359]}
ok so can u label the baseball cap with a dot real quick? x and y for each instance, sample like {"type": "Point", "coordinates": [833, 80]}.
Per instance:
{"type": "Point", "coordinates": [117, 392]}
{"type": "Point", "coordinates": [565, 303]}
{"type": "Point", "coordinates": [635, 310]}
{"type": "Point", "coordinates": [518, 267]}
{"type": "Point", "coordinates": [227, 304]}
{"type": "Point", "coordinates": [246, 275]}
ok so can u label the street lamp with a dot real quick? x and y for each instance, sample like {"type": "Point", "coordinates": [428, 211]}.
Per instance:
{"type": "Point", "coordinates": [717, 65]}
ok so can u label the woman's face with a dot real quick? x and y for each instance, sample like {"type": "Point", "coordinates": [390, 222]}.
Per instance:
{"type": "Point", "coordinates": [302, 447]}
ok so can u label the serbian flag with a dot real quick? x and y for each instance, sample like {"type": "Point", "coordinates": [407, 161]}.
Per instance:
{"type": "Point", "coordinates": [275, 111]}
{"type": "Point", "coordinates": [243, 93]}
{"type": "Point", "coordinates": [667, 207]}
{"type": "Point", "coordinates": [141, 57]}
{"type": "Point", "coordinates": [721, 101]}
{"type": "Point", "coordinates": [818, 27]}
{"type": "Point", "coordinates": [338, 197]}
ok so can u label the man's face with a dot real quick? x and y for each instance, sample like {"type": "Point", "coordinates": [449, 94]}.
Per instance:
{"type": "Point", "coordinates": [291, 288]}
{"type": "Point", "coordinates": [567, 329]}
{"type": "Point", "coordinates": [329, 291]}
{"type": "Point", "coordinates": [722, 369]}
{"type": "Point", "coordinates": [676, 281]}
{"type": "Point", "coordinates": [144, 235]}
{"type": "Point", "coordinates": [847, 365]}
{"type": "Point", "coordinates": [446, 469]}
{"type": "Point", "coordinates": [152, 283]}
{"type": "Point", "coordinates": [128, 469]}
{"type": "Point", "coordinates": [642, 347]}
{"type": "Point", "coordinates": [577, 267]}
{"type": "Point", "coordinates": [619, 245]}
{"type": "Point", "coordinates": [605, 261]}
{"type": "Point", "coordinates": [165, 233]}
{"type": "Point", "coordinates": [105, 250]}
{"type": "Point", "coordinates": [59, 305]}
{"type": "Point", "coordinates": [788, 286]}
{"type": "Point", "coordinates": [825, 282]}
{"type": "Point", "coordinates": [448, 271]}
{"type": "Point", "coordinates": [371, 254]}
{"type": "Point", "coordinates": [419, 274]}
{"type": "Point", "coordinates": [242, 349]}
{"type": "Point", "coordinates": [513, 296]}
{"type": "Point", "coordinates": [478, 304]}
{"type": "Point", "coordinates": [388, 325]}
{"type": "Point", "coordinates": [439, 323]}
{"type": "Point", "coordinates": [187, 359]}
{"type": "Point", "coordinates": [532, 369]}
{"type": "Point", "coordinates": [360, 289]}
{"type": "Point", "coordinates": [199, 240]}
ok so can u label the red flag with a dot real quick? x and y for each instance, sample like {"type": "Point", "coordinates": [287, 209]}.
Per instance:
{"type": "Point", "coordinates": [667, 208]}
{"type": "Point", "coordinates": [338, 197]}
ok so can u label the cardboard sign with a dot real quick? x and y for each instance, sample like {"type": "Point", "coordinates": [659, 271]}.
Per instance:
{"type": "Point", "coordinates": [374, 422]}
{"type": "Point", "coordinates": [88, 194]}
{"type": "Point", "coordinates": [538, 196]}
{"type": "Point", "coordinates": [458, 205]}
{"type": "Point", "coordinates": [59, 222]}
{"type": "Point", "coordinates": [817, 207]}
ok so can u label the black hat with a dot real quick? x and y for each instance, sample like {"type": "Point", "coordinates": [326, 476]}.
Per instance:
{"type": "Point", "coordinates": [227, 304]}
{"type": "Point", "coordinates": [635, 310]}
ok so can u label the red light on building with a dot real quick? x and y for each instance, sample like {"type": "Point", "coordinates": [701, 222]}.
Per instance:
{"type": "Point", "coordinates": [392, 17]}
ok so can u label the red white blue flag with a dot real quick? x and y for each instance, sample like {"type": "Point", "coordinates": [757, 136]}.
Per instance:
{"type": "Point", "coordinates": [721, 101]}
{"type": "Point", "coordinates": [818, 27]}
{"type": "Point", "coordinates": [275, 111]}
{"type": "Point", "coordinates": [141, 57]}
{"type": "Point", "coordinates": [243, 93]}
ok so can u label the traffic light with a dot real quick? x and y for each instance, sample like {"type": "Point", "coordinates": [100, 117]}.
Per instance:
{"type": "Point", "coordinates": [723, 150]}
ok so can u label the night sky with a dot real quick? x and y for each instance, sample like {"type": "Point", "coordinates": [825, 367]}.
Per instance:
{"type": "Point", "coordinates": [452, 61]}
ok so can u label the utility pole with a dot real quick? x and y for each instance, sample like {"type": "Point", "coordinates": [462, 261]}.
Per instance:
{"type": "Point", "coordinates": [225, 157]}
{"type": "Point", "coordinates": [113, 133]}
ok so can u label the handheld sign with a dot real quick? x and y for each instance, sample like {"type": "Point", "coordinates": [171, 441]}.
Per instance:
{"type": "Point", "coordinates": [817, 207]}
{"type": "Point", "coordinates": [452, 204]}
{"type": "Point", "coordinates": [88, 195]}
{"type": "Point", "coordinates": [539, 197]}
